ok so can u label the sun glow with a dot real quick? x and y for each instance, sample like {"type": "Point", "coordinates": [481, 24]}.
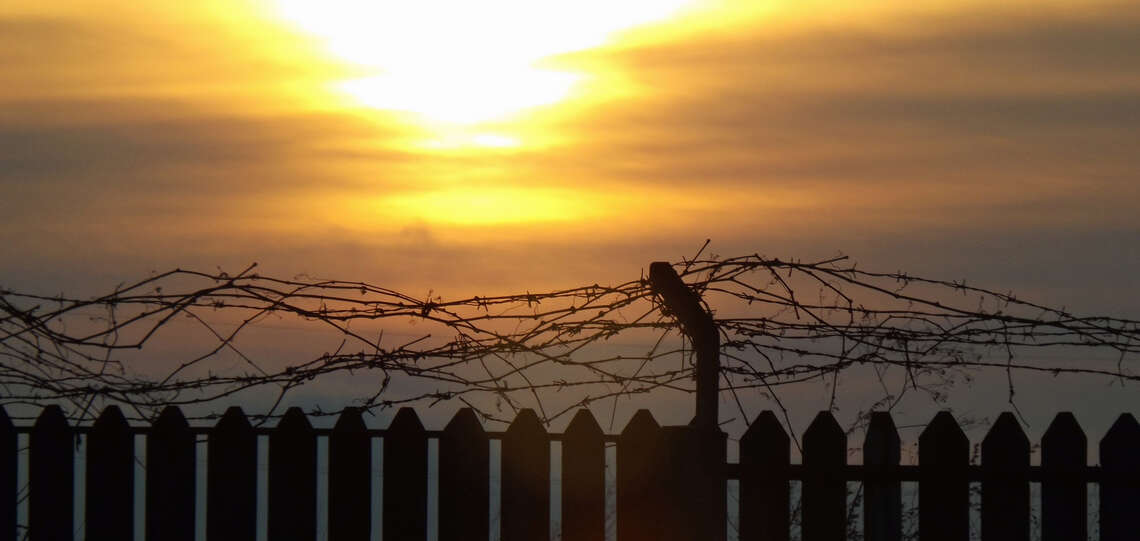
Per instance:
{"type": "Point", "coordinates": [465, 62]}
{"type": "Point", "coordinates": [490, 205]}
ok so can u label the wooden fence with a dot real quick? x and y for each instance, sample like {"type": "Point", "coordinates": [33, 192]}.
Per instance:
{"type": "Point", "coordinates": [671, 481]}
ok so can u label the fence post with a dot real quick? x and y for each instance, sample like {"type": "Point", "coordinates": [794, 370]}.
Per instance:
{"type": "Point", "coordinates": [405, 477]}
{"type": "Point", "coordinates": [464, 479]}
{"type": "Point", "coordinates": [350, 491]}
{"type": "Point", "coordinates": [697, 451]}
{"type": "Point", "coordinates": [698, 324]}
{"type": "Point", "coordinates": [943, 490]}
{"type": "Point", "coordinates": [292, 483]}
{"type": "Point", "coordinates": [765, 452]}
{"type": "Point", "coordinates": [1120, 487]}
{"type": "Point", "coordinates": [583, 480]}
{"type": "Point", "coordinates": [51, 475]}
{"type": "Point", "coordinates": [525, 479]}
{"type": "Point", "coordinates": [231, 479]}
{"type": "Point", "coordinates": [825, 491]}
{"type": "Point", "coordinates": [1064, 491]}
{"type": "Point", "coordinates": [110, 477]}
{"type": "Point", "coordinates": [170, 478]}
{"type": "Point", "coordinates": [882, 502]}
{"type": "Point", "coordinates": [7, 477]}
{"type": "Point", "coordinates": [1005, 481]}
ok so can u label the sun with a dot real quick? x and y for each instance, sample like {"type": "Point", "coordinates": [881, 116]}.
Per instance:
{"type": "Point", "coordinates": [464, 62]}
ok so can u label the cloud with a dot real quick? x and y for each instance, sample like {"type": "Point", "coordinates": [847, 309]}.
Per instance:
{"type": "Point", "coordinates": [982, 116]}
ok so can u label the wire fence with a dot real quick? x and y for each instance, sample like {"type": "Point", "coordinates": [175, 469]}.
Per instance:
{"type": "Point", "coordinates": [781, 322]}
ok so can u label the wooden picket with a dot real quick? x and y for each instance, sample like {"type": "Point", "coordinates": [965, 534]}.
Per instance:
{"type": "Point", "coordinates": [231, 479]}
{"type": "Point", "coordinates": [525, 484]}
{"type": "Point", "coordinates": [110, 479]}
{"type": "Point", "coordinates": [170, 498]}
{"type": "Point", "coordinates": [51, 472]}
{"type": "Point", "coordinates": [464, 477]}
{"type": "Point", "coordinates": [882, 503]}
{"type": "Point", "coordinates": [944, 490]}
{"type": "Point", "coordinates": [292, 489]}
{"type": "Point", "coordinates": [1005, 481]}
{"type": "Point", "coordinates": [637, 494]}
{"type": "Point", "coordinates": [583, 479]}
{"type": "Point", "coordinates": [1064, 495]}
{"type": "Point", "coordinates": [765, 454]}
{"type": "Point", "coordinates": [670, 480]}
{"type": "Point", "coordinates": [405, 477]}
{"type": "Point", "coordinates": [350, 457]}
{"type": "Point", "coordinates": [825, 491]}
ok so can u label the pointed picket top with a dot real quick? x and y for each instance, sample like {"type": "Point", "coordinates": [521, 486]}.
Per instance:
{"type": "Point", "coordinates": [112, 424]}
{"type": "Point", "coordinates": [51, 419]}
{"type": "Point", "coordinates": [233, 420]}
{"type": "Point", "coordinates": [350, 420]}
{"type": "Point", "coordinates": [294, 422]}
{"type": "Point", "coordinates": [881, 447]}
{"type": "Point", "coordinates": [1005, 445]}
{"type": "Point", "coordinates": [824, 441]}
{"type": "Point", "coordinates": [526, 422]}
{"type": "Point", "coordinates": [943, 442]}
{"type": "Point", "coordinates": [583, 426]}
{"type": "Point", "coordinates": [170, 420]}
{"type": "Point", "coordinates": [642, 425]}
{"type": "Point", "coordinates": [465, 424]}
{"type": "Point", "coordinates": [111, 420]}
{"type": "Point", "coordinates": [1064, 444]}
{"type": "Point", "coordinates": [406, 421]}
{"type": "Point", "coordinates": [1120, 447]}
{"type": "Point", "coordinates": [765, 442]}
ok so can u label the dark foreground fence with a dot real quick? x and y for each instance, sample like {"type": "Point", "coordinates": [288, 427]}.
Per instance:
{"type": "Point", "coordinates": [671, 481]}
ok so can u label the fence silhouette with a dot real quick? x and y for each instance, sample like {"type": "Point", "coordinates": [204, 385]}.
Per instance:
{"type": "Point", "coordinates": [670, 482]}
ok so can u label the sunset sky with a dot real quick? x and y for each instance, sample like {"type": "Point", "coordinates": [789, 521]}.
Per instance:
{"type": "Point", "coordinates": [501, 146]}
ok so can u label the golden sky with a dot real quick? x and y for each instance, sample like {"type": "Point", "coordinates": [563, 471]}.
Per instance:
{"type": "Point", "coordinates": [496, 146]}
{"type": "Point", "coordinates": [513, 144]}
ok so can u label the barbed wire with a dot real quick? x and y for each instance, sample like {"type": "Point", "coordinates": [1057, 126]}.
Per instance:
{"type": "Point", "coordinates": [781, 322]}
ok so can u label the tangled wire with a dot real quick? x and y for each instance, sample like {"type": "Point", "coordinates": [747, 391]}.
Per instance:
{"type": "Point", "coordinates": [781, 322]}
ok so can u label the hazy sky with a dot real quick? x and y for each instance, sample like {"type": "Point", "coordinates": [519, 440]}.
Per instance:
{"type": "Point", "coordinates": [482, 147]}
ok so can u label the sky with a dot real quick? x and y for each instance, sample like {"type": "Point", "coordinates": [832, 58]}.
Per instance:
{"type": "Point", "coordinates": [495, 147]}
